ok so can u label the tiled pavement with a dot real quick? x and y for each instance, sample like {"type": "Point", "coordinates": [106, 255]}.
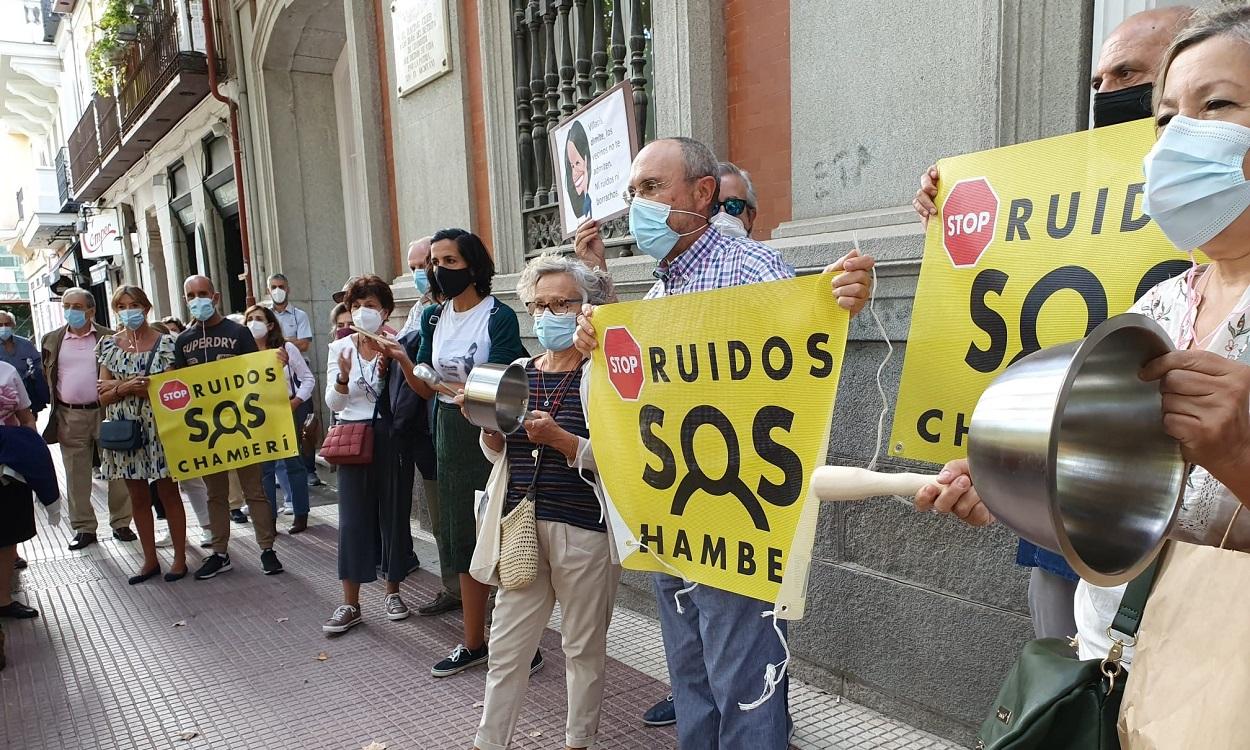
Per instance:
{"type": "Point", "coordinates": [237, 662]}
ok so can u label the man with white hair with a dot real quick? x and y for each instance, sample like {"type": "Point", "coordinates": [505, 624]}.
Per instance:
{"type": "Point", "coordinates": [70, 367]}
{"type": "Point", "coordinates": [738, 206]}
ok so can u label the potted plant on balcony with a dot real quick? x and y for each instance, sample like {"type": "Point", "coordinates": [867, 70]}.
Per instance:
{"type": "Point", "coordinates": [117, 28]}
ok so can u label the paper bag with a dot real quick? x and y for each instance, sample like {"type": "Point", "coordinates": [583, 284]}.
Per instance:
{"type": "Point", "coordinates": [1189, 684]}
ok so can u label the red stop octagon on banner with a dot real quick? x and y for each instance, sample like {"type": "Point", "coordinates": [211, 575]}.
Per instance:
{"type": "Point", "coordinates": [624, 358]}
{"type": "Point", "coordinates": [175, 395]}
{"type": "Point", "coordinates": [969, 217]}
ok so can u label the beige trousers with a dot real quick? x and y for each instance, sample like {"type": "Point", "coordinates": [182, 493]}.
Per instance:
{"type": "Point", "coordinates": [77, 432]}
{"type": "Point", "coordinates": [574, 568]}
{"type": "Point", "coordinates": [257, 505]}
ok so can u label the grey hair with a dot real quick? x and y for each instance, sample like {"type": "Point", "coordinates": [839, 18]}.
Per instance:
{"type": "Point", "coordinates": [88, 298]}
{"type": "Point", "coordinates": [277, 277]}
{"type": "Point", "coordinates": [1203, 25]}
{"type": "Point", "coordinates": [698, 158]}
{"type": "Point", "coordinates": [9, 315]}
{"type": "Point", "coordinates": [727, 168]}
{"type": "Point", "coordinates": [589, 282]}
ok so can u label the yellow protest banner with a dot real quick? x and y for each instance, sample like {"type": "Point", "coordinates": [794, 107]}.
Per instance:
{"type": "Point", "coordinates": [1034, 245]}
{"type": "Point", "coordinates": [708, 414]}
{"type": "Point", "coordinates": [223, 415]}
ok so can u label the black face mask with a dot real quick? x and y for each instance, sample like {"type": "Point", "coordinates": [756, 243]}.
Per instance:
{"type": "Point", "coordinates": [1125, 105]}
{"type": "Point", "coordinates": [452, 281]}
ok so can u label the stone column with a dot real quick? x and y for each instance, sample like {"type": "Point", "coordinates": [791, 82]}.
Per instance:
{"type": "Point", "coordinates": [689, 50]}
{"type": "Point", "coordinates": [503, 169]}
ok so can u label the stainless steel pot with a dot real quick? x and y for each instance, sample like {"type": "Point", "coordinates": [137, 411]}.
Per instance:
{"type": "Point", "coordinates": [497, 397]}
{"type": "Point", "coordinates": [1067, 448]}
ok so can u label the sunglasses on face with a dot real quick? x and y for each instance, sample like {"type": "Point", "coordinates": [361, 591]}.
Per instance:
{"type": "Point", "coordinates": [734, 206]}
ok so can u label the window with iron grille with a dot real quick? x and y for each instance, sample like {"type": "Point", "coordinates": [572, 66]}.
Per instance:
{"type": "Point", "coordinates": [565, 53]}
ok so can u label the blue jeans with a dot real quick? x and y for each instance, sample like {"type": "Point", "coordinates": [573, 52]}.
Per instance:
{"type": "Point", "coordinates": [291, 474]}
{"type": "Point", "coordinates": [717, 652]}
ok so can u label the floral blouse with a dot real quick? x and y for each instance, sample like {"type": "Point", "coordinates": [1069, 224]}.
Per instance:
{"type": "Point", "coordinates": [1207, 506]}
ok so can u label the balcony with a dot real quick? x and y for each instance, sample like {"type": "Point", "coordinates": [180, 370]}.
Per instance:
{"type": "Point", "coordinates": [43, 223]}
{"type": "Point", "coordinates": [164, 76]}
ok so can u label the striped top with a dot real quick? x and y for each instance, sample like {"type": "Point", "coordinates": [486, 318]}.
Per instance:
{"type": "Point", "coordinates": [560, 495]}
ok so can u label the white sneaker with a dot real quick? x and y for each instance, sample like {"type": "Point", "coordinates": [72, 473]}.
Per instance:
{"type": "Point", "coordinates": [206, 538]}
{"type": "Point", "coordinates": [287, 510]}
{"type": "Point", "coordinates": [165, 541]}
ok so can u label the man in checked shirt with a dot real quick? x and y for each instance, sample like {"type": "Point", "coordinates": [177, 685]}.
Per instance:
{"type": "Point", "coordinates": [718, 648]}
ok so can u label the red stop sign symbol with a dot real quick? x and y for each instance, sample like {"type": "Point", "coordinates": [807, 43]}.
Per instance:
{"type": "Point", "coordinates": [175, 395]}
{"type": "Point", "coordinates": [624, 357]}
{"type": "Point", "coordinates": [969, 216]}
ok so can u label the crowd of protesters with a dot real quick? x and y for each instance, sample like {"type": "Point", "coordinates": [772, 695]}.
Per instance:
{"type": "Point", "coordinates": [693, 215]}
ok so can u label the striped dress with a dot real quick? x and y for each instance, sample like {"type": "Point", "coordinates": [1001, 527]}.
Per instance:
{"type": "Point", "coordinates": [560, 495]}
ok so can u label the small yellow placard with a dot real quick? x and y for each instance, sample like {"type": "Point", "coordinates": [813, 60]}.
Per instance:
{"type": "Point", "coordinates": [223, 415]}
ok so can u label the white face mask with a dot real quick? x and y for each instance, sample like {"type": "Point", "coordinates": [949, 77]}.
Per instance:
{"type": "Point", "coordinates": [730, 226]}
{"type": "Point", "coordinates": [277, 295]}
{"type": "Point", "coordinates": [259, 330]}
{"type": "Point", "coordinates": [367, 319]}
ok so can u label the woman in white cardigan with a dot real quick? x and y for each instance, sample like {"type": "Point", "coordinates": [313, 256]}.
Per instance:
{"type": "Point", "coordinates": [550, 461]}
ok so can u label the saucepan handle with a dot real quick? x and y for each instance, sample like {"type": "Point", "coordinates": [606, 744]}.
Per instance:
{"type": "Point", "coordinates": [836, 483]}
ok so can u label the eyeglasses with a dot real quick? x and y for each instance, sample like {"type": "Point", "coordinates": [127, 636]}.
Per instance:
{"type": "Point", "coordinates": [646, 189]}
{"type": "Point", "coordinates": [557, 306]}
{"type": "Point", "coordinates": [734, 206]}
{"type": "Point", "coordinates": [371, 393]}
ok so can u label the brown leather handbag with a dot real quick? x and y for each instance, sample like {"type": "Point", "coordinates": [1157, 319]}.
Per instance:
{"type": "Point", "coordinates": [348, 443]}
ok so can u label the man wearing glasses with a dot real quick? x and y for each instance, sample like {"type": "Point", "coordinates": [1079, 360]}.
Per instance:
{"type": "Point", "coordinates": [737, 201]}
{"type": "Point", "coordinates": [719, 644]}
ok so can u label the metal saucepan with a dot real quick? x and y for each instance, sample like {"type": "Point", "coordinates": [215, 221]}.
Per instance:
{"type": "Point", "coordinates": [1067, 448]}
{"type": "Point", "coordinates": [497, 397]}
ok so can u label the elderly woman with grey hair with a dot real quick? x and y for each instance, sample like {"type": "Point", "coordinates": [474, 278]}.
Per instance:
{"type": "Point", "coordinates": [551, 463]}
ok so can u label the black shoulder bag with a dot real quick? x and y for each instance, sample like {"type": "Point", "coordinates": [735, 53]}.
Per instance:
{"type": "Point", "coordinates": [127, 434]}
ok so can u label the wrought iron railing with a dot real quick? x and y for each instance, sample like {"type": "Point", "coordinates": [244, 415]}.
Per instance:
{"type": "Point", "coordinates": [63, 181]}
{"type": "Point", "coordinates": [108, 124]}
{"type": "Point", "coordinates": [153, 60]}
{"type": "Point", "coordinates": [84, 148]}
{"type": "Point", "coordinates": [565, 53]}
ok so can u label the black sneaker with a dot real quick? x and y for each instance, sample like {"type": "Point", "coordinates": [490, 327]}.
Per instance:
{"type": "Point", "coordinates": [269, 562]}
{"type": "Point", "coordinates": [661, 714]}
{"type": "Point", "coordinates": [460, 659]}
{"type": "Point", "coordinates": [537, 663]}
{"type": "Point", "coordinates": [444, 602]}
{"type": "Point", "coordinates": [238, 516]}
{"type": "Point", "coordinates": [213, 565]}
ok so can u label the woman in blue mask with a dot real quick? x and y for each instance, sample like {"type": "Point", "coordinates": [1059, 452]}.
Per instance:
{"type": "Point", "coordinates": [551, 463]}
{"type": "Point", "coordinates": [127, 362]}
{"type": "Point", "coordinates": [1198, 193]}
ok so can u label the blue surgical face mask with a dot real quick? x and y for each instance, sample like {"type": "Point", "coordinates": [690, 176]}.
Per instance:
{"type": "Point", "coordinates": [555, 332]}
{"type": "Point", "coordinates": [648, 222]}
{"type": "Point", "coordinates": [131, 318]}
{"type": "Point", "coordinates": [202, 308]}
{"type": "Point", "coordinates": [75, 318]}
{"type": "Point", "coordinates": [6, 333]}
{"type": "Point", "coordinates": [421, 281]}
{"type": "Point", "coordinates": [1195, 187]}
